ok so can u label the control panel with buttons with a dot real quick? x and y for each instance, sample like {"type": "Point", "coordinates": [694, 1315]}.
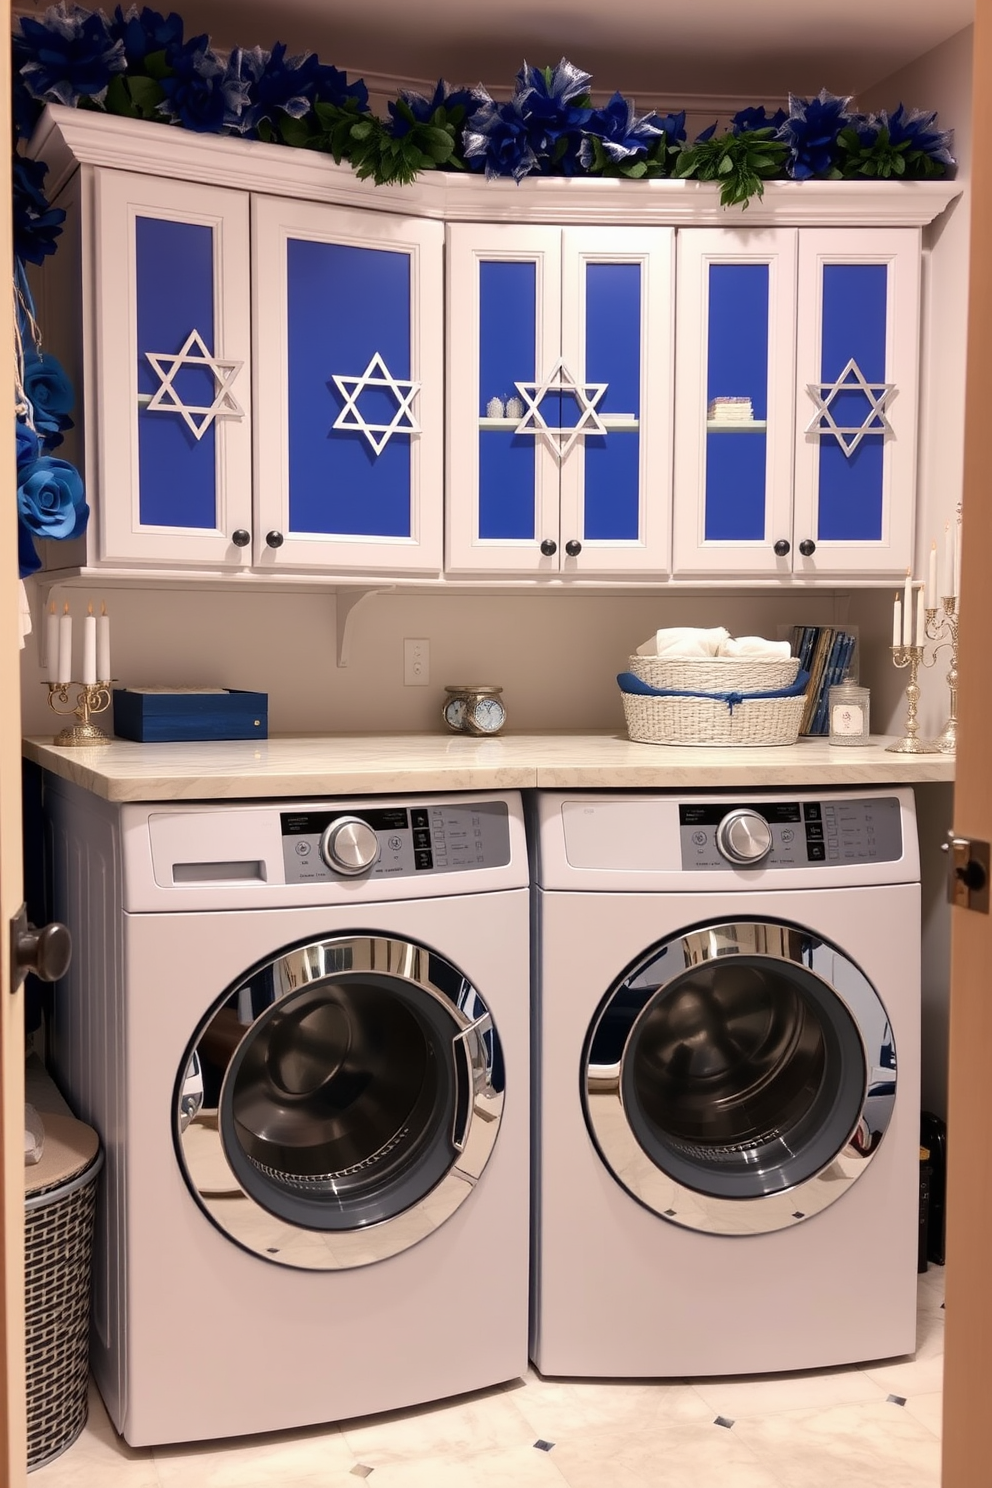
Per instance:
{"type": "Point", "coordinates": [394, 841]}
{"type": "Point", "coordinates": [784, 834]}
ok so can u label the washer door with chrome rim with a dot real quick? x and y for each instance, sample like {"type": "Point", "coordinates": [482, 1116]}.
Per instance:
{"type": "Point", "coordinates": [339, 1103]}
{"type": "Point", "coordinates": [740, 1076]}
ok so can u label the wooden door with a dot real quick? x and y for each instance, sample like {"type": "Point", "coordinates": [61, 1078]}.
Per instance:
{"type": "Point", "coordinates": [968, 1353]}
{"type": "Point", "coordinates": [13, 1431]}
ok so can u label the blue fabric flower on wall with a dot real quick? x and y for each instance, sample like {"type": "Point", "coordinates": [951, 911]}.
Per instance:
{"type": "Point", "coordinates": [50, 394]}
{"type": "Point", "coordinates": [36, 224]}
{"type": "Point", "coordinates": [50, 500]}
{"type": "Point", "coordinates": [70, 55]}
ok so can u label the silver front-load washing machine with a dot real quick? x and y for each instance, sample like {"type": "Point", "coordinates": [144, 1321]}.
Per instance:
{"type": "Point", "coordinates": [302, 1031]}
{"type": "Point", "coordinates": [727, 1010]}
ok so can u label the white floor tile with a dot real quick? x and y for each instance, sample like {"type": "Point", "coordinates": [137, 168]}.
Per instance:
{"type": "Point", "coordinates": [859, 1446]}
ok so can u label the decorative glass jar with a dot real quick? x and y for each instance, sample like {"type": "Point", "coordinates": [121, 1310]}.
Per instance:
{"type": "Point", "coordinates": [848, 708]}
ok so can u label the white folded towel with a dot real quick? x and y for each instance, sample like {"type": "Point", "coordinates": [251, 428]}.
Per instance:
{"type": "Point", "coordinates": [754, 646]}
{"type": "Point", "coordinates": [684, 640]}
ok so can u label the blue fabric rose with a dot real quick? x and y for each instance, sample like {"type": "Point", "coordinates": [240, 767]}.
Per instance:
{"type": "Point", "coordinates": [50, 499]}
{"type": "Point", "coordinates": [28, 561]}
{"type": "Point", "coordinates": [50, 394]}
{"type": "Point", "coordinates": [69, 55]}
{"type": "Point", "coordinates": [27, 444]}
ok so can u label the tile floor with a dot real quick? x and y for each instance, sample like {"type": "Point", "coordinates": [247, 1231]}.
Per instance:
{"type": "Point", "coordinates": [829, 1428]}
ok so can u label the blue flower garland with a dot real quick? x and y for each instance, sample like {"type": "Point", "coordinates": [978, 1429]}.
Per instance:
{"type": "Point", "coordinates": [139, 64]}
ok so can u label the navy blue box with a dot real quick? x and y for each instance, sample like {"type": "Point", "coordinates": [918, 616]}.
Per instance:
{"type": "Point", "coordinates": [167, 717]}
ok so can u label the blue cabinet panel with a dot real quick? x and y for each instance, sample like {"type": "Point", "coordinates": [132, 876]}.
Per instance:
{"type": "Point", "coordinates": [735, 486]}
{"type": "Point", "coordinates": [177, 473]}
{"type": "Point", "coordinates": [507, 336]}
{"type": "Point", "coordinates": [612, 485]}
{"type": "Point", "coordinates": [345, 305]}
{"type": "Point", "coordinates": [737, 367]}
{"type": "Point", "coordinates": [613, 334]}
{"type": "Point", "coordinates": [854, 326]}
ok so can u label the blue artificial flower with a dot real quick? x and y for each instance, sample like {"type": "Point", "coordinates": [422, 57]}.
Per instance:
{"type": "Point", "coordinates": [539, 129]}
{"type": "Point", "coordinates": [26, 443]}
{"type": "Point", "coordinates": [915, 128]}
{"type": "Point", "coordinates": [496, 138]}
{"type": "Point", "coordinates": [36, 224]}
{"type": "Point", "coordinates": [672, 125]}
{"type": "Point", "coordinates": [811, 132]}
{"type": "Point", "coordinates": [329, 85]}
{"type": "Point", "coordinates": [50, 499]}
{"type": "Point", "coordinates": [444, 96]}
{"type": "Point", "coordinates": [748, 119]}
{"type": "Point", "coordinates": [146, 31]}
{"type": "Point", "coordinates": [49, 391]}
{"type": "Point", "coordinates": [25, 110]}
{"type": "Point", "coordinates": [620, 132]}
{"type": "Point", "coordinates": [197, 92]}
{"type": "Point", "coordinates": [70, 55]}
{"type": "Point", "coordinates": [269, 84]}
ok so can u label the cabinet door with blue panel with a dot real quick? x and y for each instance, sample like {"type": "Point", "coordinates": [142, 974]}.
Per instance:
{"type": "Point", "coordinates": [348, 337]}
{"type": "Point", "coordinates": [559, 400]}
{"type": "Point", "coordinates": [734, 401]}
{"type": "Point", "coordinates": [857, 373]}
{"type": "Point", "coordinates": [173, 377]}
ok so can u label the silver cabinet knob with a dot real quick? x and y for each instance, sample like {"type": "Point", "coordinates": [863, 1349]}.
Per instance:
{"type": "Point", "coordinates": [349, 846]}
{"type": "Point", "coordinates": [46, 951]}
{"type": "Point", "coordinates": [744, 837]}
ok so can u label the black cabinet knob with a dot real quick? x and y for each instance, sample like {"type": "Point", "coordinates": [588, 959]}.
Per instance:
{"type": "Point", "coordinates": [241, 538]}
{"type": "Point", "coordinates": [782, 547]}
{"type": "Point", "coordinates": [46, 951]}
{"type": "Point", "coordinates": [807, 547]}
{"type": "Point", "coordinates": [549, 547]}
{"type": "Point", "coordinates": [274, 539]}
{"type": "Point", "coordinates": [573, 548]}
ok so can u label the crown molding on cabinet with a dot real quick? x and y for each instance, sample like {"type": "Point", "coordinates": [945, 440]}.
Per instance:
{"type": "Point", "coordinates": [67, 137]}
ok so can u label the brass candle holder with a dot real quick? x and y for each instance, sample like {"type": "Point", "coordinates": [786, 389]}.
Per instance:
{"type": "Point", "coordinates": [93, 697]}
{"type": "Point", "coordinates": [944, 630]}
{"type": "Point", "coordinates": [911, 657]}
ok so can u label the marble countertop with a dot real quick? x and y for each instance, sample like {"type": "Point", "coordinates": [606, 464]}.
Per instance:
{"type": "Point", "coordinates": [380, 764]}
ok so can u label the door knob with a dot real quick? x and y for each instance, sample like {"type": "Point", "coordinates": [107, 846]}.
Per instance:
{"type": "Point", "coordinates": [807, 547]}
{"type": "Point", "coordinates": [274, 539]}
{"type": "Point", "coordinates": [241, 538]}
{"type": "Point", "coordinates": [573, 548]}
{"type": "Point", "coordinates": [46, 951]}
{"type": "Point", "coordinates": [549, 547]}
{"type": "Point", "coordinates": [782, 547]}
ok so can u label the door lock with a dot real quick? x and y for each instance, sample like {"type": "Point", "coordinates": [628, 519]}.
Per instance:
{"type": "Point", "coordinates": [967, 872]}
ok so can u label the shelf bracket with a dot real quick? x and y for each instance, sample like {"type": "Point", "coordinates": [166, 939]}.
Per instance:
{"type": "Point", "coordinates": [346, 602]}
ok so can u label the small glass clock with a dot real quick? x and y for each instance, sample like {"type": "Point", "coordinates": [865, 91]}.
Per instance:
{"type": "Point", "coordinates": [476, 710]}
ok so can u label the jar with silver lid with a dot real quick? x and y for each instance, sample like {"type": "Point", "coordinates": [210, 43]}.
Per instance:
{"type": "Point", "coordinates": [847, 705]}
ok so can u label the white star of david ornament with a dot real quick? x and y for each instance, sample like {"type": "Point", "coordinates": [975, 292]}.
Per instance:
{"type": "Point", "coordinates": [849, 436]}
{"type": "Point", "coordinates": [586, 395]}
{"type": "Point", "coordinates": [350, 416]}
{"type": "Point", "coordinates": [198, 416]}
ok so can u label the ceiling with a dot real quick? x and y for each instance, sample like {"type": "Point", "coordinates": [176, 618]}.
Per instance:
{"type": "Point", "coordinates": [665, 52]}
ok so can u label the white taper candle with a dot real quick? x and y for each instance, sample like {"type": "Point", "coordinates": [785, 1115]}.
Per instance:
{"type": "Point", "coordinates": [932, 578]}
{"type": "Point", "coordinates": [52, 643]}
{"type": "Point", "coordinates": [957, 557]}
{"type": "Point", "coordinates": [907, 610]}
{"type": "Point", "coordinates": [921, 621]}
{"type": "Point", "coordinates": [947, 564]}
{"type": "Point", "coordinates": [65, 645]}
{"type": "Point", "coordinates": [89, 645]}
{"type": "Point", "coordinates": [103, 644]}
{"type": "Point", "coordinates": [896, 622]}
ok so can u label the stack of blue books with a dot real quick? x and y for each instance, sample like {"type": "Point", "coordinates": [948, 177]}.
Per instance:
{"type": "Point", "coordinates": [827, 653]}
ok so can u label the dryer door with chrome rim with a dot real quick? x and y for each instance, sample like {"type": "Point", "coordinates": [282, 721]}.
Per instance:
{"type": "Point", "coordinates": [340, 1101]}
{"type": "Point", "coordinates": [739, 1077]}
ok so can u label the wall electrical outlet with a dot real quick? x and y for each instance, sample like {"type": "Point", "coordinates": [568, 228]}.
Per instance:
{"type": "Point", "coordinates": [416, 663]}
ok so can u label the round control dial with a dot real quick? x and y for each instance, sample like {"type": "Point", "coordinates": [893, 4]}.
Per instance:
{"type": "Point", "coordinates": [744, 837]}
{"type": "Point", "coordinates": [349, 846]}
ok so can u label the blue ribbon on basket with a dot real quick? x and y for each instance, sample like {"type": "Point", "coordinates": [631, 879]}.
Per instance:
{"type": "Point", "coordinates": [631, 684]}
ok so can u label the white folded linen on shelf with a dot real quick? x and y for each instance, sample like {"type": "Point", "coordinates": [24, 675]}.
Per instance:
{"type": "Point", "coordinates": [688, 640]}
{"type": "Point", "coordinates": [754, 646]}
{"type": "Point", "coordinates": [684, 640]}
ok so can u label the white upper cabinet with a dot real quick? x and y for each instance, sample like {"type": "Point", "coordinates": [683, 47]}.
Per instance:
{"type": "Point", "coordinates": [559, 369]}
{"type": "Point", "coordinates": [171, 367]}
{"type": "Point", "coordinates": [796, 402]}
{"type": "Point", "coordinates": [348, 352]}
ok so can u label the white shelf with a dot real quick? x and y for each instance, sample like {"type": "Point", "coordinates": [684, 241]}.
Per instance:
{"type": "Point", "coordinates": [613, 423]}
{"type": "Point", "coordinates": [736, 426]}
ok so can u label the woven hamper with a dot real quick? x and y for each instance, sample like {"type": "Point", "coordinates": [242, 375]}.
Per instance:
{"type": "Point", "coordinates": [59, 1209]}
{"type": "Point", "coordinates": [695, 718]}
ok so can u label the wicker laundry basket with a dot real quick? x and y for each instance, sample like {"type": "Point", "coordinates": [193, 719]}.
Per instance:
{"type": "Point", "coordinates": [59, 1209]}
{"type": "Point", "coordinates": [696, 718]}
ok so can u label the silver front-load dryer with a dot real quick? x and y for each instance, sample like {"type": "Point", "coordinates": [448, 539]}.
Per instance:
{"type": "Point", "coordinates": [727, 1014]}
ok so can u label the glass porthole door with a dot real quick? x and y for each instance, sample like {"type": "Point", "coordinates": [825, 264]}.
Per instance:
{"type": "Point", "coordinates": [339, 1102]}
{"type": "Point", "coordinates": [739, 1077]}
